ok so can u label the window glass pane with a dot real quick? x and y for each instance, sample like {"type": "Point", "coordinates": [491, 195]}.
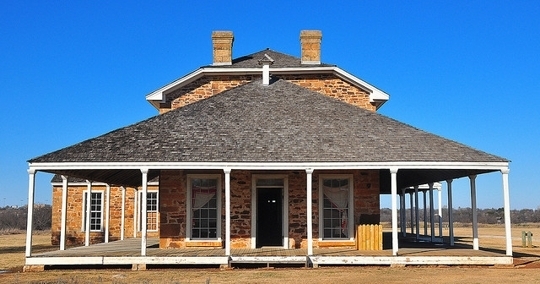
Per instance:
{"type": "Point", "coordinates": [204, 208]}
{"type": "Point", "coordinates": [151, 211]}
{"type": "Point", "coordinates": [95, 210]}
{"type": "Point", "coordinates": [335, 208]}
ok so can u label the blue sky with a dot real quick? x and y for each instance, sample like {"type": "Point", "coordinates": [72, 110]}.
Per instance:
{"type": "Point", "coordinates": [468, 71]}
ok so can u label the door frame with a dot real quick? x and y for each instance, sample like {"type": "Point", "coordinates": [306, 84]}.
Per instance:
{"type": "Point", "coordinates": [285, 205]}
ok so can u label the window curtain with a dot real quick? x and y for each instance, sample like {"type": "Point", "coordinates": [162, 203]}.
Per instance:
{"type": "Point", "coordinates": [201, 195]}
{"type": "Point", "coordinates": [339, 197]}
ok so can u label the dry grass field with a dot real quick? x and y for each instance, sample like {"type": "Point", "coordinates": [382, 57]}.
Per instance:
{"type": "Point", "coordinates": [525, 270]}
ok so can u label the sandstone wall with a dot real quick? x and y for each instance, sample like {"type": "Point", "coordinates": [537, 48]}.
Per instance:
{"type": "Point", "coordinates": [75, 234]}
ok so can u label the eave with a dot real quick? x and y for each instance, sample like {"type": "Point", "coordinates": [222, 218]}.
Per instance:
{"type": "Point", "coordinates": [376, 96]}
{"type": "Point", "coordinates": [409, 173]}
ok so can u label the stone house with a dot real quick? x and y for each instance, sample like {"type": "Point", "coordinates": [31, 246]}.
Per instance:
{"type": "Point", "coordinates": [262, 150]}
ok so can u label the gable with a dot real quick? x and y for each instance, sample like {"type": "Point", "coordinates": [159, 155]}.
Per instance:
{"type": "Point", "coordinates": [326, 84]}
{"type": "Point", "coordinates": [210, 80]}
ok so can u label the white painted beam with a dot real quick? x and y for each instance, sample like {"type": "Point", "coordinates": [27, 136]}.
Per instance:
{"type": "Point", "coordinates": [431, 213]}
{"type": "Point", "coordinates": [64, 213]}
{"type": "Point", "coordinates": [507, 225]}
{"type": "Point", "coordinates": [144, 219]}
{"type": "Point", "coordinates": [88, 210]}
{"type": "Point", "coordinates": [122, 218]}
{"type": "Point", "coordinates": [474, 212]}
{"type": "Point", "coordinates": [309, 213]}
{"type": "Point", "coordinates": [411, 260]}
{"type": "Point", "coordinates": [227, 172]}
{"type": "Point", "coordinates": [30, 215]}
{"type": "Point", "coordinates": [393, 183]}
{"type": "Point", "coordinates": [493, 166]}
{"type": "Point", "coordinates": [107, 212]}
{"type": "Point", "coordinates": [439, 191]}
{"type": "Point", "coordinates": [136, 210]}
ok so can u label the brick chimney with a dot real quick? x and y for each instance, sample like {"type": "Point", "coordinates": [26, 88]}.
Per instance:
{"type": "Point", "coordinates": [310, 40]}
{"type": "Point", "coordinates": [222, 42]}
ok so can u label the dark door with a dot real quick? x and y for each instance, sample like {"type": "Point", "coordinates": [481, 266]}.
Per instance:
{"type": "Point", "coordinates": [269, 217]}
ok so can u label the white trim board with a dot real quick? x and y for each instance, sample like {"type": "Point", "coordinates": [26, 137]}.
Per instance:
{"type": "Point", "coordinates": [495, 166]}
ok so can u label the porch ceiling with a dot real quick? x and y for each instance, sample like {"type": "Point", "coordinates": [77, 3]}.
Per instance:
{"type": "Point", "coordinates": [411, 177]}
{"type": "Point", "coordinates": [406, 177]}
{"type": "Point", "coordinates": [120, 177]}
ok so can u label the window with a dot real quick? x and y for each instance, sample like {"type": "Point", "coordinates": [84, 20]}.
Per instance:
{"type": "Point", "coordinates": [96, 211]}
{"type": "Point", "coordinates": [151, 210]}
{"type": "Point", "coordinates": [337, 214]}
{"type": "Point", "coordinates": [203, 208]}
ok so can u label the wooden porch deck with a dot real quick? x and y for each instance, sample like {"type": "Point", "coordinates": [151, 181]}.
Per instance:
{"type": "Point", "coordinates": [128, 252]}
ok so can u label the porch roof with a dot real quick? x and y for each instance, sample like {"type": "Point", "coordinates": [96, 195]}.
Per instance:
{"type": "Point", "coordinates": [280, 123]}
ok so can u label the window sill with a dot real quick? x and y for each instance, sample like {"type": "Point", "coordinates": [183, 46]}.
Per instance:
{"type": "Point", "coordinates": [337, 243]}
{"type": "Point", "coordinates": [204, 243]}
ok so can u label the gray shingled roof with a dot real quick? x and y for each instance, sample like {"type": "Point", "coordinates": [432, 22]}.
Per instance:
{"type": "Point", "coordinates": [281, 60]}
{"type": "Point", "coordinates": [281, 122]}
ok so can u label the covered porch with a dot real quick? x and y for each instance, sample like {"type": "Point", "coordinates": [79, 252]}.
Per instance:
{"type": "Point", "coordinates": [401, 248]}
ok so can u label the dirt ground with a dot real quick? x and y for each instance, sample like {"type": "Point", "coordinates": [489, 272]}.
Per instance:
{"type": "Point", "coordinates": [526, 268]}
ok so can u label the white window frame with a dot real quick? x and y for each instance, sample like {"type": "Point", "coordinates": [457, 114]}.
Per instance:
{"type": "Point", "coordinates": [139, 210]}
{"type": "Point", "coordinates": [188, 206]}
{"type": "Point", "coordinates": [350, 215]}
{"type": "Point", "coordinates": [285, 213]}
{"type": "Point", "coordinates": [85, 194]}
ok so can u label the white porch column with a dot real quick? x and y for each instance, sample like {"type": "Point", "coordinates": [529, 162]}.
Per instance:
{"type": "Point", "coordinates": [135, 211]}
{"type": "Point", "coordinates": [88, 212]}
{"type": "Point", "coordinates": [431, 213]}
{"type": "Point", "coordinates": [450, 213]}
{"type": "Point", "coordinates": [393, 187]}
{"type": "Point", "coordinates": [227, 211]}
{"type": "Point", "coordinates": [411, 202]}
{"type": "Point", "coordinates": [507, 225]}
{"type": "Point", "coordinates": [425, 213]}
{"type": "Point", "coordinates": [64, 213]}
{"type": "Point", "coordinates": [416, 211]}
{"type": "Point", "coordinates": [144, 219]}
{"type": "Point", "coordinates": [122, 222]}
{"type": "Point", "coordinates": [439, 191]}
{"type": "Point", "coordinates": [30, 216]}
{"type": "Point", "coordinates": [474, 213]}
{"type": "Point", "coordinates": [309, 215]}
{"type": "Point", "coordinates": [403, 213]}
{"type": "Point", "coordinates": [107, 212]}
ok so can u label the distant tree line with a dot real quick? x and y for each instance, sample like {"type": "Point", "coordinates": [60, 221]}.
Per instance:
{"type": "Point", "coordinates": [464, 215]}
{"type": "Point", "coordinates": [14, 218]}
